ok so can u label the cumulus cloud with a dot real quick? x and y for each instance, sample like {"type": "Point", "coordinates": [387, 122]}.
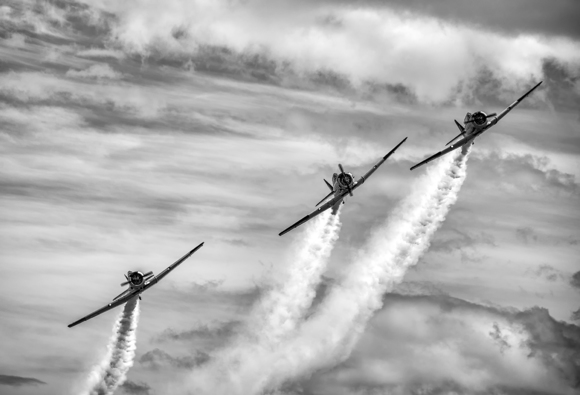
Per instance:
{"type": "Point", "coordinates": [322, 43]}
{"type": "Point", "coordinates": [133, 388]}
{"type": "Point", "coordinates": [435, 344]}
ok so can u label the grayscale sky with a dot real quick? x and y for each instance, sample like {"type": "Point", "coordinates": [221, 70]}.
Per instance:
{"type": "Point", "coordinates": [133, 130]}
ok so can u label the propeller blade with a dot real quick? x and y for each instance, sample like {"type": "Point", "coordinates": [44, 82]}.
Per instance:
{"type": "Point", "coordinates": [348, 186]}
{"type": "Point", "coordinates": [125, 283]}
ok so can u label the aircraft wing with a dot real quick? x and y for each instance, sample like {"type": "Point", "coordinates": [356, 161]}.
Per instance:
{"type": "Point", "coordinates": [165, 272]}
{"type": "Point", "coordinates": [504, 112]}
{"type": "Point", "coordinates": [108, 307]}
{"type": "Point", "coordinates": [319, 210]}
{"type": "Point", "coordinates": [458, 144]}
{"type": "Point", "coordinates": [375, 167]}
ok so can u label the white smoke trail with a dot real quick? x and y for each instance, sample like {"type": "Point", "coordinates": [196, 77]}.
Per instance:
{"type": "Point", "coordinates": [112, 371]}
{"type": "Point", "coordinates": [277, 315]}
{"type": "Point", "coordinates": [282, 308]}
{"type": "Point", "coordinates": [329, 336]}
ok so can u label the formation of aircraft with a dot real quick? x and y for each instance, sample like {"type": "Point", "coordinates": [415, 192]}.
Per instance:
{"type": "Point", "coordinates": [342, 184]}
{"type": "Point", "coordinates": [474, 125]}
{"type": "Point", "coordinates": [138, 283]}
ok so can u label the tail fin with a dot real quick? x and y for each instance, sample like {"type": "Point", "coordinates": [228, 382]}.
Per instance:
{"type": "Point", "coordinates": [461, 130]}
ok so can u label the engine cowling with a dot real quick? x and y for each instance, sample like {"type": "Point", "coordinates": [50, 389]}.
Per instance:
{"type": "Point", "coordinates": [136, 278]}
{"type": "Point", "coordinates": [479, 118]}
{"type": "Point", "coordinates": [345, 180]}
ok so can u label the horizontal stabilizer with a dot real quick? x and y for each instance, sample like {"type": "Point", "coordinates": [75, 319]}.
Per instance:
{"type": "Point", "coordinates": [328, 185]}
{"type": "Point", "coordinates": [324, 198]}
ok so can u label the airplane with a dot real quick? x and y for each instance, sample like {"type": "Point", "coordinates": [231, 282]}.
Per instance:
{"type": "Point", "coordinates": [342, 184]}
{"type": "Point", "coordinates": [474, 125]}
{"type": "Point", "coordinates": [138, 283]}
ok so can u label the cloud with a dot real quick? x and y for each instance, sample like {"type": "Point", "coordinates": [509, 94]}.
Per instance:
{"type": "Point", "coordinates": [133, 388]}
{"type": "Point", "coordinates": [462, 239]}
{"type": "Point", "coordinates": [512, 18]}
{"type": "Point", "coordinates": [17, 381]}
{"type": "Point", "coordinates": [216, 331]}
{"type": "Point", "coordinates": [437, 343]}
{"type": "Point", "coordinates": [575, 280]}
{"type": "Point", "coordinates": [575, 283]}
{"type": "Point", "coordinates": [97, 71]}
{"type": "Point", "coordinates": [547, 272]}
{"type": "Point", "coordinates": [526, 234]}
{"type": "Point", "coordinates": [526, 172]}
{"type": "Point", "coordinates": [317, 44]}
{"type": "Point", "coordinates": [157, 359]}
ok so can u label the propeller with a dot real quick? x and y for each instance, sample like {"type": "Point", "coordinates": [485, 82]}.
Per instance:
{"type": "Point", "coordinates": [126, 282]}
{"type": "Point", "coordinates": [344, 175]}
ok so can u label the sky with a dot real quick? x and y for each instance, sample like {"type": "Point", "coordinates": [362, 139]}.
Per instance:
{"type": "Point", "coordinates": [132, 131]}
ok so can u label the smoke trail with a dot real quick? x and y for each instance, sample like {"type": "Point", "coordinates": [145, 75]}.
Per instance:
{"type": "Point", "coordinates": [112, 371]}
{"type": "Point", "coordinates": [284, 305]}
{"type": "Point", "coordinates": [328, 337]}
{"type": "Point", "coordinates": [277, 315]}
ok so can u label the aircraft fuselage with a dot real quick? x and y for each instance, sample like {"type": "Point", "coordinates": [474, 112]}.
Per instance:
{"type": "Point", "coordinates": [474, 125]}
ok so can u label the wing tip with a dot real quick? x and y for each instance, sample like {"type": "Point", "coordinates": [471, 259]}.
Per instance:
{"type": "Point", "coordinates": [198, 247]}
{"type": "Point", "coordinates": [297, 224]}
{"type": "Point", "coordinates": [394, 149]}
